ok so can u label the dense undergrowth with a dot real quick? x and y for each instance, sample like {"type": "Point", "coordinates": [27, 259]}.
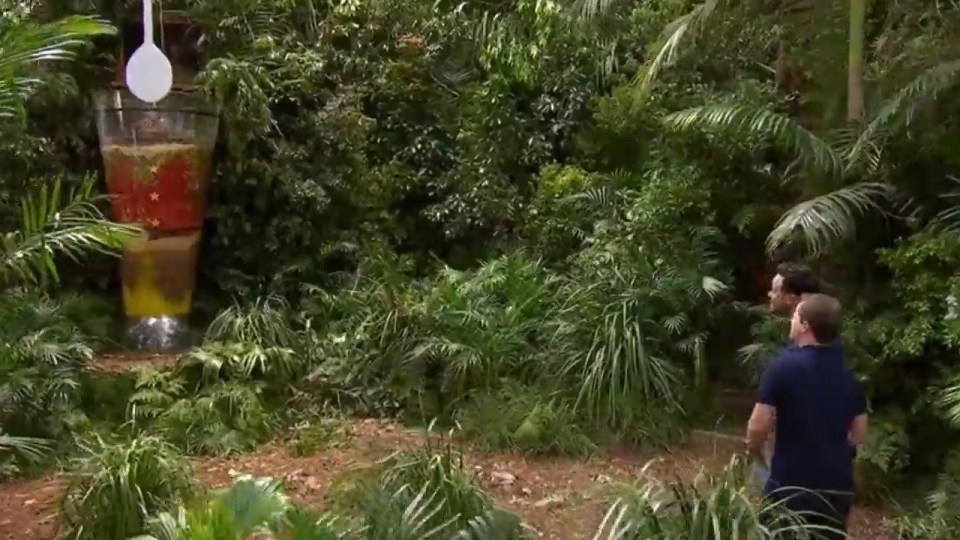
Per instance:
{"type": "Point", "coordinates": [542, 223]}
{"type": "Point", "coordinates": [146, 486]}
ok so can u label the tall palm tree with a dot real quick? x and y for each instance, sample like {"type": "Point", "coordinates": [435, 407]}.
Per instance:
{"type": "Point", "coordinates": [858, 14]}
{"type": "Point", "coordinates": [690, 26]}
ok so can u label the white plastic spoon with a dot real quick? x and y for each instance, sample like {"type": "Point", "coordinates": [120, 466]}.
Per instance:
{"type": "Point", "coordinates": [149, 74]}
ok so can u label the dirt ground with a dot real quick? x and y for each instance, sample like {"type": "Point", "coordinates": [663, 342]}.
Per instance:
{"type": "Point", "coordinates": [559, 497]}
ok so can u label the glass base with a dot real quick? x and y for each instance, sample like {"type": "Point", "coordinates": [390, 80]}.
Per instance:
{"type": "Point", "coordinates": [161, 334]}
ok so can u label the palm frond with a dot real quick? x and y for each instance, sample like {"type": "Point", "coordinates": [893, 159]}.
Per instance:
{"type": "Point", "coordinates": [866, 160]}
{"type": "Point", "coordinates": [823, 220]}
{"type": "Point", "coordinates": [30, 448]}
{"type": "Point", "coordinates": [71, 226]}
{"type": "Point", "coordinates": [601, 197]}
{"type": "Point", "coordinates": [24, 45]}
{"type": "Point", "coordinates": [589, 9]}
{"type": "Point", "coordinates": [950, 400]}
{"type": "Point", "coordinates": [768, 125]}
{"type": "Point", "coordinates": [714, 287]}
{"type": "Point", "coordinates": [950, 218]}
{"type": "Point", "coordinates": [927, 87]}
{"type": "Point", "coordinates": [674, 37]}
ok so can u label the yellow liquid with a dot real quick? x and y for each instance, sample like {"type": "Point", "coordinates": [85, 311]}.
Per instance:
{"type": "Point", "coordinates": [143, 295]}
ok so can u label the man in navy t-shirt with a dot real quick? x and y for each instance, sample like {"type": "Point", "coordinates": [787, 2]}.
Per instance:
{"type": "Point", "coordinates": [790, 285]}
{"type": "Point", "coordinates": [820, 409]}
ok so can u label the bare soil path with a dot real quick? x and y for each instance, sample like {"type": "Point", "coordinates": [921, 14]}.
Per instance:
{"type": "Point", "coordinates": [562, 498]}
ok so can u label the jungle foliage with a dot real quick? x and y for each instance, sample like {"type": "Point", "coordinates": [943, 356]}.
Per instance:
{"type": "Point", "coordinates": [543, 221]}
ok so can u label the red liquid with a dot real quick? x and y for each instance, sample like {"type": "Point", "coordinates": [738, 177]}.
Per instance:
{"type": "Point", "coordinates": [161, 186]}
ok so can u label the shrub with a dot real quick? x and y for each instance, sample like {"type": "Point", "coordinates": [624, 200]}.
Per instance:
{"type": "Point", "coordinates": [522, 418]}
{"type": "Point", "coordinates": [42, 351]}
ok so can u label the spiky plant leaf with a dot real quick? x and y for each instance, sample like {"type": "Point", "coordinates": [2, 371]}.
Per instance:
{"type": "Point", "coordinates": [712, 507]}
{"type": "Point", "coordinates": [950, 217]}
{"type": "Point", "coordinates": [406, 514]}
{"type": "Point", "coordinates": [950, 400]}
{"type": "Point", "coordinates": [265, 322]}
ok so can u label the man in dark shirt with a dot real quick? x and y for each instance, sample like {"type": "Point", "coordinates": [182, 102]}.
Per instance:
{"type": "Point", "coordinates": [820, 409]}
{"type": "Point", "coordinates": [792, 283]}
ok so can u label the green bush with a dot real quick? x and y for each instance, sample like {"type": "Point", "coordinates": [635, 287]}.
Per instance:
{"type": "Point", "coordinates": [43, 351]}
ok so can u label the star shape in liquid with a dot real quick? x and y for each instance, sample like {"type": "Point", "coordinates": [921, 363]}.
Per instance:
{"type": "Point", "coordinates": [154, 196]}
{"type": "Point", "coordinates": [155, 223]}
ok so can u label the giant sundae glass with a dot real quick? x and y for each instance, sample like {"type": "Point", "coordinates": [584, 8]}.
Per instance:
{"type": "Point", "coordinates": [157, 163]}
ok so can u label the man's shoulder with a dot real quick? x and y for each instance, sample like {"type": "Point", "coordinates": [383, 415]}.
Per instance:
{"type": "Point", "coordinates": [799, 358]}
{"type": "Point", "coordinates": [781, 365]}
{"type": "Point", "coordinates": [790, 355]}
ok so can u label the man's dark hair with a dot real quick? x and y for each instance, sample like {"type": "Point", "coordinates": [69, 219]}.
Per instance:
{"type": "Point", "coordinates": [797, 278]}
{"type": "Point", "coordinates": [824, 316]}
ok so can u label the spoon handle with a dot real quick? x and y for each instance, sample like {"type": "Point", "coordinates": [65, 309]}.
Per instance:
{"type": "Point", "coordinates": [148, 21]}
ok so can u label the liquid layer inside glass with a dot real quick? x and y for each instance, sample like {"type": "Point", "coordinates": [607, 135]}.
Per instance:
{"type": "Point", "coordinates": [159, 275]}
{"type": "Point", "coordinates": [161, 186]}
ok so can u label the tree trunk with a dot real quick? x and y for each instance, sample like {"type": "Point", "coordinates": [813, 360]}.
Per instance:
{"type": "Point", "coordinates": [855, 112]}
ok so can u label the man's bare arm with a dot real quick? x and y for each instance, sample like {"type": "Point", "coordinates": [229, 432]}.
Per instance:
{"type": "Point", "coordinates": [759, 428]}
{"type": "Point", "coordinates": [858, 430]}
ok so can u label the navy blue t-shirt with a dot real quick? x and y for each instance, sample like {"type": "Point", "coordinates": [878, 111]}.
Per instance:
{"type": "Point", "coordinates": [816, 399]}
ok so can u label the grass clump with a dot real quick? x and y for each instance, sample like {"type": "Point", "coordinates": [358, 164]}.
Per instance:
{"type": "Point", "coordinates": [711, 507]}
{"type": "Point", "coordinates": [114, 487]}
